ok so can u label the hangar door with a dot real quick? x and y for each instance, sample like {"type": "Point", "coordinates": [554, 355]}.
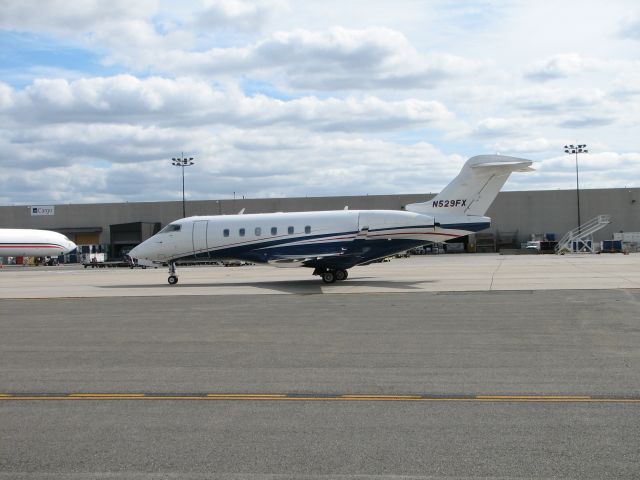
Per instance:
{"type": "Point", "coordinates": [86, 238]}
{"type": "Point", "coordinates": [200, 249]}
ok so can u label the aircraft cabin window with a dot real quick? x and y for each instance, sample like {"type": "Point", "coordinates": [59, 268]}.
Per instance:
{"type": "Point", "coordinates": [225, 232]}
{"type": "Point", "coordinates": [307, 229]}
{"type": "Point", "coordinates": [241, 232]}
{"type": "Point", "coordinates": [258, 231]}
{"type": "Point", "coordinates": [290, 230]}
{"type": "Point", "coordinates": [170, 228]}
{"type": "Point", "coordinates": [274, 230]}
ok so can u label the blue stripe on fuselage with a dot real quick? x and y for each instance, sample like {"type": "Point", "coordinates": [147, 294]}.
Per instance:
{"type": "Point", "coordinates": [468, 227]}
{"type": "Point", "coordinates": [348, 252]}
{"type": "Point", "coordinates": [261, 251]}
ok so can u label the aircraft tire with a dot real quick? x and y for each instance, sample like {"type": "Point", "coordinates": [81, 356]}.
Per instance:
{"type": "Point", "coordinates": [329, 276]}
{"type": "Point", "coordinates": [341, 275]}
{"type": "Point", "coordinates": [173, 280]}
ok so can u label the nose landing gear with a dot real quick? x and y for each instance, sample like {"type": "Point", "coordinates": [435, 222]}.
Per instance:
{"type": "Point", "coordinates": [173, 278]}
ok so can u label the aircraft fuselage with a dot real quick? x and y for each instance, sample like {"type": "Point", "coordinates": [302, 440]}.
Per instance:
{"type": "Point", "coordinates": [331, 239]}
{"type": "Point", "coordinates": [22, 242]}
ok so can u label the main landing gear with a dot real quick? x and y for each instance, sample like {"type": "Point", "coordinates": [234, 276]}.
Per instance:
{"type": "Point", "coordinates": [331, 276]}
{"type": "Point", "coordinates": [173, 278]}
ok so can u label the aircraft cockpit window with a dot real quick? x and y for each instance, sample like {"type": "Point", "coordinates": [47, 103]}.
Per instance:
{"type": "Point", "coordinates": [307, 229]}
{"type": "Point", "coordinates": [171, 228]}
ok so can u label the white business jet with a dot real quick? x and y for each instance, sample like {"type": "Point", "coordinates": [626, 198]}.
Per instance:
{"type": "Point", "coordinates": [21, 242]}
{"type": "Point", "coordinates": [331, 242]}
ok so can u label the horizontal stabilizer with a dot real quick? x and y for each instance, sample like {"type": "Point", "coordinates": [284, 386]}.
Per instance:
{"type": "Point", "coordinates": [516, 166]}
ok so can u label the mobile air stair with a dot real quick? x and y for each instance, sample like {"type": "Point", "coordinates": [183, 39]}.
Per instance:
{"type": "Point", "coordinates": [580, 239]}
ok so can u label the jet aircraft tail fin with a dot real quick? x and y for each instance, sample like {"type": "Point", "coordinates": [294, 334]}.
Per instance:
{"type": "Point", "coordinates": [475, 187]}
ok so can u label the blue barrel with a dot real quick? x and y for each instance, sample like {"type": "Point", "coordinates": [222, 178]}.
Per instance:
{"type": "Point", "coordinates": [612, 246]}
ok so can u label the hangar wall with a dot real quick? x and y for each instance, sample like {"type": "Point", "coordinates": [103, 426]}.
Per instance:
{"type": "Point", "coordinates": [555, 211]}
{"type": "Point", "coordinates": [527, 212]}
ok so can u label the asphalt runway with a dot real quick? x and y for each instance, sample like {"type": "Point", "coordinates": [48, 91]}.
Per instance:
{"type": "Point", "coordinates": [522, 384]}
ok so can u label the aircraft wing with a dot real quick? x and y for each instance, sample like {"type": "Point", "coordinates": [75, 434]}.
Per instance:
{"type": "Point", "coordinates": [306, 260]}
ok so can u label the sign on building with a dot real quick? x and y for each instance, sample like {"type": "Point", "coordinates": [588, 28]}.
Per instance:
{"type": "Point", "coordinates": [42, 210]}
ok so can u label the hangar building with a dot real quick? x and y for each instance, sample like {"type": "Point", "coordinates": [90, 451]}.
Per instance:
{"type": "Point", "coordinates": [517, 216]}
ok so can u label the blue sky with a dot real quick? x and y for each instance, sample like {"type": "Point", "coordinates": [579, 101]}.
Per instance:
{"type": "Point", "coordinates": [277, 97]}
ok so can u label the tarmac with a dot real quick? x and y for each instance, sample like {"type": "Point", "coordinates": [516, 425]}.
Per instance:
{"type": "Point", "coordinates": [451, 366]}
{"type": "Point", "coordinates": [437, 273]}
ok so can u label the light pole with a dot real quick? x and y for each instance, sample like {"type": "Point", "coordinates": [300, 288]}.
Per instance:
{"type": "Point", "coordinates": [182, 162]}
{"type": "Point", "coordinates": [577, 149]}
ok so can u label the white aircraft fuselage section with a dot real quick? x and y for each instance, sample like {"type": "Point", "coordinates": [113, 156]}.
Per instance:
{"type": "Point", "coordinates": [20, 242]}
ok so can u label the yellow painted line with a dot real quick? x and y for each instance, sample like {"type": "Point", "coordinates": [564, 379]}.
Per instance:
{"type": "Point", "coordinates": [245, 395]}
{"type": "Point", "coordinates": [15, 397]}
{"type": "Point", "coordinates": [5, 395]}
{"type": "Point", "coordinates": [106, 397]}
{"type": "Point", "coordinates": [381, 397]}
{"type": "Point", "coordinates": [366, 395]}
{"type": "Point", "coordinates": [532, 397]}
{"type": "Point", "coordinates": [559, 400]}
{"type": "Point", "coordinates": [611, 400]}
{"type": "Point", "coordinates": [189, 397]}
{"type": "Point", "coordinates": [100, 395]}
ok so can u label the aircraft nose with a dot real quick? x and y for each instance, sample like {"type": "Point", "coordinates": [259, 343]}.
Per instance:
{"type": "Point", "coordinates": [138, 251]}
{"type": "Point", "coordinates": [134, 252]}
{"type": "Point", "coordinates": [70, 247]}
{"type": "Point", "coordinates": [150, 249]}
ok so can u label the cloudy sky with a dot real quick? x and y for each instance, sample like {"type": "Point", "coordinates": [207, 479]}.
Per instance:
{"type": "Point", "coordinates": [297, 98]}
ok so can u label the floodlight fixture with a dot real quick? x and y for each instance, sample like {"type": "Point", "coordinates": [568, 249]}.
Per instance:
{"type": "Point", "coordinates": [182, 162]}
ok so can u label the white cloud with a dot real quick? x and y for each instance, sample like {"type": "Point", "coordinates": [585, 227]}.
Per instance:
{"type": "Point", "coordinates": [137, 42]}
{"type": "Point", "coordinates": [597, 169]}
{"type": "Point", "coordinates": [6, 97]}
{"type": "Point", "coordinates": [573, 108]}
{"type": "Point", "coordinates": [335, 59]}
{"type": "Point", "coordinates": [75, 143]}
{"type": "Point", "coordinates": [571, 64]}
{"type": "Point", "coordinates": [184, 101]}
{"type": "Point", "coordinates": [59, 16]}
{"type": "Point", "coordinates": [626, 86]}
{"type": "Point", "coordinates": [561, 66]}
{"type": "Point", "coordinates": [555, 100]}
{"type": "Point", "coordinates": [236, 14]}
{"type": "Point", "coordinates": [493, 127]}
{"type": "Point", "coordinates": [527, 145]}
{"type": "Point", "coordinates": [338, 59]}
{"type": "Point", "coordinates": [304, 165]}
{"type": "Point", "coordinates": [631, 28]}
{"type": "Point", "coordinates": [78, 183]}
